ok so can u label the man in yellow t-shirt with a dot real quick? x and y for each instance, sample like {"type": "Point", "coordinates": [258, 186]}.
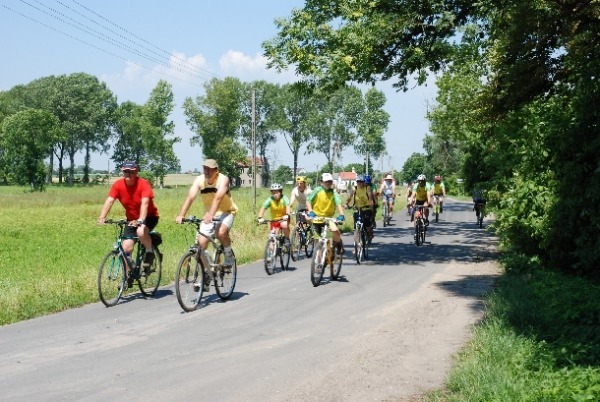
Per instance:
{"type": "Point", "coordinates": [213, 188]}
{"type": "Point", "coordinates": [323, 202]}
{"type": "Point", "coordinates": [361, 198]}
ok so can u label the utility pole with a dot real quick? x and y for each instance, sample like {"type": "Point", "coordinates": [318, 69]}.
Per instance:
{"type": "Point", "coordinates": [254, 150]}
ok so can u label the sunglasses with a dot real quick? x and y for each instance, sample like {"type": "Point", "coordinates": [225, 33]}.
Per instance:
{"type": "Point", "coordinates": [128, 171]}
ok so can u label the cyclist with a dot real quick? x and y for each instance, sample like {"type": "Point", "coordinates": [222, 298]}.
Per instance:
{"type": "Point", "coordinates": [478, 201]}
{"type": "Point", "coordinates": [215, 194]}
{"type": "Point", "coordinates": [409, 193]}
{"type": "Point", "coordinates": [388, 192]}
{"type": "Point", "coordinates": [422, 196]}
{"type": "Point", "coordinates": [439, 189]}
{"type": "Point", "coordinates": [299, 194]}
{"type": "Point", "coordinates": [279, 205]}
{"type": "Point", "coordinates": [323, 202]}
{"type": "Point", "coordinates": [375, 192]}
{"type": "Point", "coordinates": [137, 197]}
{"type": "Point", "coordinates": [361, 197]}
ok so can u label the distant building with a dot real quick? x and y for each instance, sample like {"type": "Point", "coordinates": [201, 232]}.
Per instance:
{"type": "Point", "coordinates": [245, 178]}
{"type": "Point", "coordinates": [343, 180]}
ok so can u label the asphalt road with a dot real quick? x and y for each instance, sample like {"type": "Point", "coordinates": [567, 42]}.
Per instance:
{"type": "Point", "coordinates": [275, 331]}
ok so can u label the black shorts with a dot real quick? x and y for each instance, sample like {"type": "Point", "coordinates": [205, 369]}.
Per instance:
{"type": "Point", "coordinates": [367, 217]}
{"type": "Point", "coordinates": [131, 231]}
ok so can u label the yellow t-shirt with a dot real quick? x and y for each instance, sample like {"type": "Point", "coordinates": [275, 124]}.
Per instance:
{"type": "Point", "coordinates": [324, 202]}
{"type": "Point", "coordinates": [421, 192]}
{"type": "Point", "coordinates": [361, 197]}
{"type": "Point", "coordinates": [207, 195]}
{"type": "Point", "coordinates": [277, 207]}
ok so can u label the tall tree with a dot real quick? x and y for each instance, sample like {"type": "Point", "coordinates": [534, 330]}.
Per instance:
{"type": "Point", "coordinates": [28, 136]}
{"type": "Point", "coordinates": [297, 106]}
{"type": "Point", "coordinates": [158, 135]}
{"type": "Point", "coordinates": [372, 125]}
{"type": "Point", "coordinates": [216, 118]}
{"type": "Point", "coordinates": [334, 123]}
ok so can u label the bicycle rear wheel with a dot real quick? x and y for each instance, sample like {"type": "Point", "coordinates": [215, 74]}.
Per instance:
{"type": "Point", "coordinates": [270, 255]}
{"type": "Point", "coordinates": [189, 281]}
{"type": "Point", "coordinates": [309, 243]}
{"type": "Point", "coordinates": [318, 264]}
{"type": "Point", "coordinates": [296, 241]}
{"type": "Point", "coordinates": [225, 277]}
{"type": "Point", "coordinates": [111, 278]}
{"type": "Point", "coordinates": [150, 280]}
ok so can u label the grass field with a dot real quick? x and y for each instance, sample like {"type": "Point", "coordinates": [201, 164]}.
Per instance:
{"type": "Point", "coordinates": [51, 246]}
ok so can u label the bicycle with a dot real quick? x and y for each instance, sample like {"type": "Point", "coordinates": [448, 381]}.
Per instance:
{"type": "Point", "coordinates": [118, 271]}
{"type": "Point", "coordinates": [387, 218]}
{"type": "Point", "coordinates": [325, 254]}
{"type": "Point", "coordinates": [479, 208]}
{"type": "Point", "coordinates": [274, 248]}
{"type": "Point", "coordinates": [192, 277]}
{"type": "Point", "coordinates": [436, 207]}
{"type": "Point", "coordinates": [302, 237]}
{"type": "Point", "coordinates": [420, 227]}
{"type": "Point", "coordinates": [361, 239]}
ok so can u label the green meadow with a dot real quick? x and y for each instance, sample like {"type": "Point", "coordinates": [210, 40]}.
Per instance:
{"type": "Point", "coordinates": [51, 246]}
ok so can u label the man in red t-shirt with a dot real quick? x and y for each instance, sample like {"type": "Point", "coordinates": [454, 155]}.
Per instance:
{"type": "Point", "coordinates": [136, 196]}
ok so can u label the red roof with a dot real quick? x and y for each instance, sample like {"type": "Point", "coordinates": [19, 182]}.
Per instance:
{"type": "Point", "coordinates": [248, 162]}
{"type": "Point", "coordinates": [347, 175]}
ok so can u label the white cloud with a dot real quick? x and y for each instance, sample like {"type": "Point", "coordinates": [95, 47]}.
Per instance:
{"type": "Point", "coordinates": [247, 68]}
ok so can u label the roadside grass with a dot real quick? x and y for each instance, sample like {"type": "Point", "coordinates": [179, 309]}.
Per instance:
{"type": "Point", "coordinates": [51, 246]}
{"type": "Point", "coordinates": [539, 341]}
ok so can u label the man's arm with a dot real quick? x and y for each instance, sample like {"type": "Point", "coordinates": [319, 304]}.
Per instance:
{"type": "Point", "coordinates": [144, 208]}
{"type": "Point", "coordinates": [105, 210]}
{"type": "Point", "coordinates": [192, 193]}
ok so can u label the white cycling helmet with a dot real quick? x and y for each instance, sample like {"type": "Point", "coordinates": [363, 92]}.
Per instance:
{"type": "Point", "coordinates": [276, 187]}
{"type": "Point", "coordinates": [421, 177]}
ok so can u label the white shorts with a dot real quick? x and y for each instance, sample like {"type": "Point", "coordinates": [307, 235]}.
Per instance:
{"type": "Point", "coordinates": [210, 228]}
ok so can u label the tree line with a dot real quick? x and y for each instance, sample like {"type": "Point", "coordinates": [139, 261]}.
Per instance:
{"type": "Point", "coordinates": [49, 120]}
{"type": "Point", "coordinates": [517, 108]}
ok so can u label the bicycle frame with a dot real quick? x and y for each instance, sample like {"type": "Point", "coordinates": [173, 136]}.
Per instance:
{"type": "Point", "coordinates": [325, 253]}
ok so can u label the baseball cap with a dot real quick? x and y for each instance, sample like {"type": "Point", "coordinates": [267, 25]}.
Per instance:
{"type": "Point", "coordinates": [129, 166]}
{"type": "Point", "coordinates": [327, 177]}
{"type": "Point", "coordinates": [210, 163]}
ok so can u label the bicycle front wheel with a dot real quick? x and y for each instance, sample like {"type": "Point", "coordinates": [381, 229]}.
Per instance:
{"type": "Point", "coordinates": [422, 231]}
{"type": "Point", "coordinates": [318, 264]}
{"type": "Point", "coordinates": [365, 243]}
{"type": "Point", "coordinates": [357, 245]}
{"type": "Point", "coordinates": [418, 229]}
{"type": "Point", "coordinates": [225, 277]}
{"type": "Point", "coordinates": [189, 281]}
{"type": "Point", "coordinates": [385, 214]}
{"type": "Point", "coordinates": [284, 257]}
{"type": "Point", "coordinates": [336, 264]}
{"type": "Point", "coordinates": [270, 254]}
{"type": "Point", "coordinates": [111, 278]}
{"type": "Point", "coordinates": [150, 279]}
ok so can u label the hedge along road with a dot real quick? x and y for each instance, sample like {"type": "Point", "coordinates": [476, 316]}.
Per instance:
{"type": "Point", "coordinates": [386, 330]}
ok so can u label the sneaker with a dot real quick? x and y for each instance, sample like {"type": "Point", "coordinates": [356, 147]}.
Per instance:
{"type": "Point", "coordinates": [147, 264]}
{"type": "Point", "coordinates": [426, 222]}
{"type": "Point", "coordinates": [229, 260]}
{"type": "Point", "coordinates": [129, 282]}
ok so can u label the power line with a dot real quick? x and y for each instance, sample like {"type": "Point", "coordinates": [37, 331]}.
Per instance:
{"type": "Point", "coordinates": [171, 61]}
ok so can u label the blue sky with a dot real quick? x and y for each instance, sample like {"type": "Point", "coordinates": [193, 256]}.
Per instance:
{"type": "Point", "coordinates": [189, 42]}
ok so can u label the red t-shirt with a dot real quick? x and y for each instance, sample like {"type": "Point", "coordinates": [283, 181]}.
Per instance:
{"type": "Point", "coordinates": [131, 197]}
